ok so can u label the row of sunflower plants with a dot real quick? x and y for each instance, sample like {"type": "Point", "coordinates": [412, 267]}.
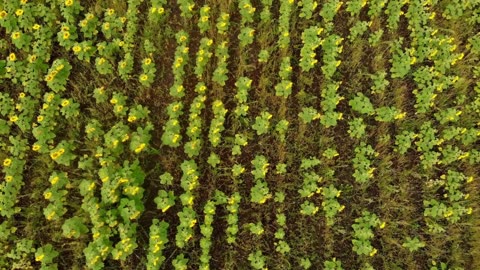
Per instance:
{"type": "Point", "coordinates": [247, 12]}
{"type": "Point", "coordinates": [314, 185]}
{"type": "Point", "coordinates": [266, 14]}
{"type": "Point", "coordinates": [189, 182]}
{"type": "Point", "coordinates": [158, 238]}
{"type": "Point", "coordinates": [120, 204]}
{"type": "Point", "coordinates": [452, 206]}
{"type": "Point", "coordinates": [243, 85]}
{"type": "Point", "coordinates": [329, 103]}
{"type": "Point", "coordinates": [393, 12]}
{"type": "Point", "coordinates": [331, 98]}
{"type": "Point", "coordinates": [125, 66]}
{"type": "Point", "coordinates": [284, 87]}
{"type": "Point", "coordinates": [257, 259]}
{"type": "Point", "coordinates": [281, 244]}
{"type": "Point", "coordinates": [221, 71]}
{"type": "Point", "coordinates": [311, 40]}
{"type": "Point", "coordinates": [216, 125]}
{"type": "Point", "coordinates": [203, 56]}
{"type": "Point", "coordinates": [56, 195]}
{"type": "Point", "coordinates": [286, 7]}
{"type": "Point", "coordinates": [194, 129]}
{"type": "Point", "coordinates": [260, 192]}
{"type": "Point", "coordinates": [14, 148]}
{"type": "Point", "coordinates": [156, 10]}
{"type": "Point", "coordinates": [206, 229]}
{"type": "Point", "coordinates": [204, 20]}
{"type": "Point", "coordinates": [172, 131]}
{"type": "Point", "coordinates": [308, 8]}
{"type": "Point", "coordinates": [329, 9]}
{"type": "Point", "coordinates": [363, 233]}
{"type": "Point", "coordinates": [331, 51]}
{"type": "Point", "coordinates": [363, 164]}
{"type": "Point", "coordinates": [221, 51]}
{"type": "Point", "coordinates": [12, 168]}
{"type": "Point", "coordinates": [233, 203]}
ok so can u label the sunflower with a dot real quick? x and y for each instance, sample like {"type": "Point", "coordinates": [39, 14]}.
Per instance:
{"type": "Point", "coordinates": [54, 155]}
{"type": "Point", "coordinates": [13, 118]}
{"type": "Point", "coordinates": [77, 49]}
{"type": "Point", "coordinates": [16, 35]}
{"type": "Point", "coordinates": [7, 162]}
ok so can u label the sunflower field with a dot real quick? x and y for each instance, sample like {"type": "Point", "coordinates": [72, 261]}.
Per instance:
{"type": "Point", "coordinates": [240, 134]}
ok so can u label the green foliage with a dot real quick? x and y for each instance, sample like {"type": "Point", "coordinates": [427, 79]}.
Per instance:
{"type": "Point", "coordinates": [232, 217]}
{"type": "Point", "coordinates": [361, 103]}
{"type": "Point", "coordinates": [332, 265]}
{"type": "Point", "coordinates": [166, 179]}
{"type": "Point", "coordinates": [62, 153]}
{"type": "Point", "coordinates": [243, 85]}
{"type": "Point", "coordinates": [158, 239]}
{"type": "Point", "coordinates": [308, 208]}
{"type": "Point", "coordinates": [246, 36]}
{"type": "Point", "coordinates": [330, 204]}
{"type": "Point", "coordinates": [401, 61]}
{"type": "Point", "coordinates": [74, 227]}
{"type": "Point", "coordinates": [363, 233]}
{"type": "Point", "coordinates": [204, 21]}
{"type": "Point", "coordinates": [308, 114]}
{"type": "Point", "coordinates": [216, 126]}
{"type": "Point", "coordinates": [262, 123]}
{"type": "Point", "coordinates": [403, 141]}
{"type": "Point", "coordinates": [223, 22]}
{"type": "Point", "coordinates": [362, 164]}
{"type": "Point", "coordinates": [379, 82]}
{"type": "Point", "coordinates": [237, 170]}
{"type": "Point", "coordinates": [308, 7]}
{"type": "Point", "coordinates": [58, 74]}
{"type": "Point", "coordinates": [203, 56]}
{"type": "Point", "coordinates": [263, 56]}
{"type": "Point", "coordinates": [305, 263]}
{"type": "Point", "coordinates": [281, 168]}
{"type": "Point", "coordinates": [310, 40]}
{"type": "Point", "coordinates": [354, 7]}
{"type": "Point", "coordinates": [413, 244]}
{"type": "Point", "coordinates": [95, 92]}
{"type": "Point", "coordinates": [180, 262]}
{"type": "Point", "coordinates": [186, 10]}
{"type": "Point", "coordinates": [46, 254]}
{"type": "Point", "coordinates": [452, 208]}
{"type": "Point", "coordinates": [257, 260]}
{"type": "Point", "coordinates": [330, 9]}
{"type": "Point", "coordinates": [260, 192]}
{"type": "Point", "coordinates": [213, 160]}
{"type": "Point", "coordinates": [388, 114]}
{"type": "Point", "coordinates": [260, 164]}
{"type": "Point", "coordinates": [356, 128]}
{"type": "Point", "coordinates": [375, 37]}
{"type": "Point", "coordinates": [165, 200]}
{"type": "Point", "coordinates": [284, 24]}
{"type": "Point", "coordinates": [221, 71]}
{"type": "Point", "coordinates": [357, 30]}
{"type": "Point", "coordinates": [256, 228]}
